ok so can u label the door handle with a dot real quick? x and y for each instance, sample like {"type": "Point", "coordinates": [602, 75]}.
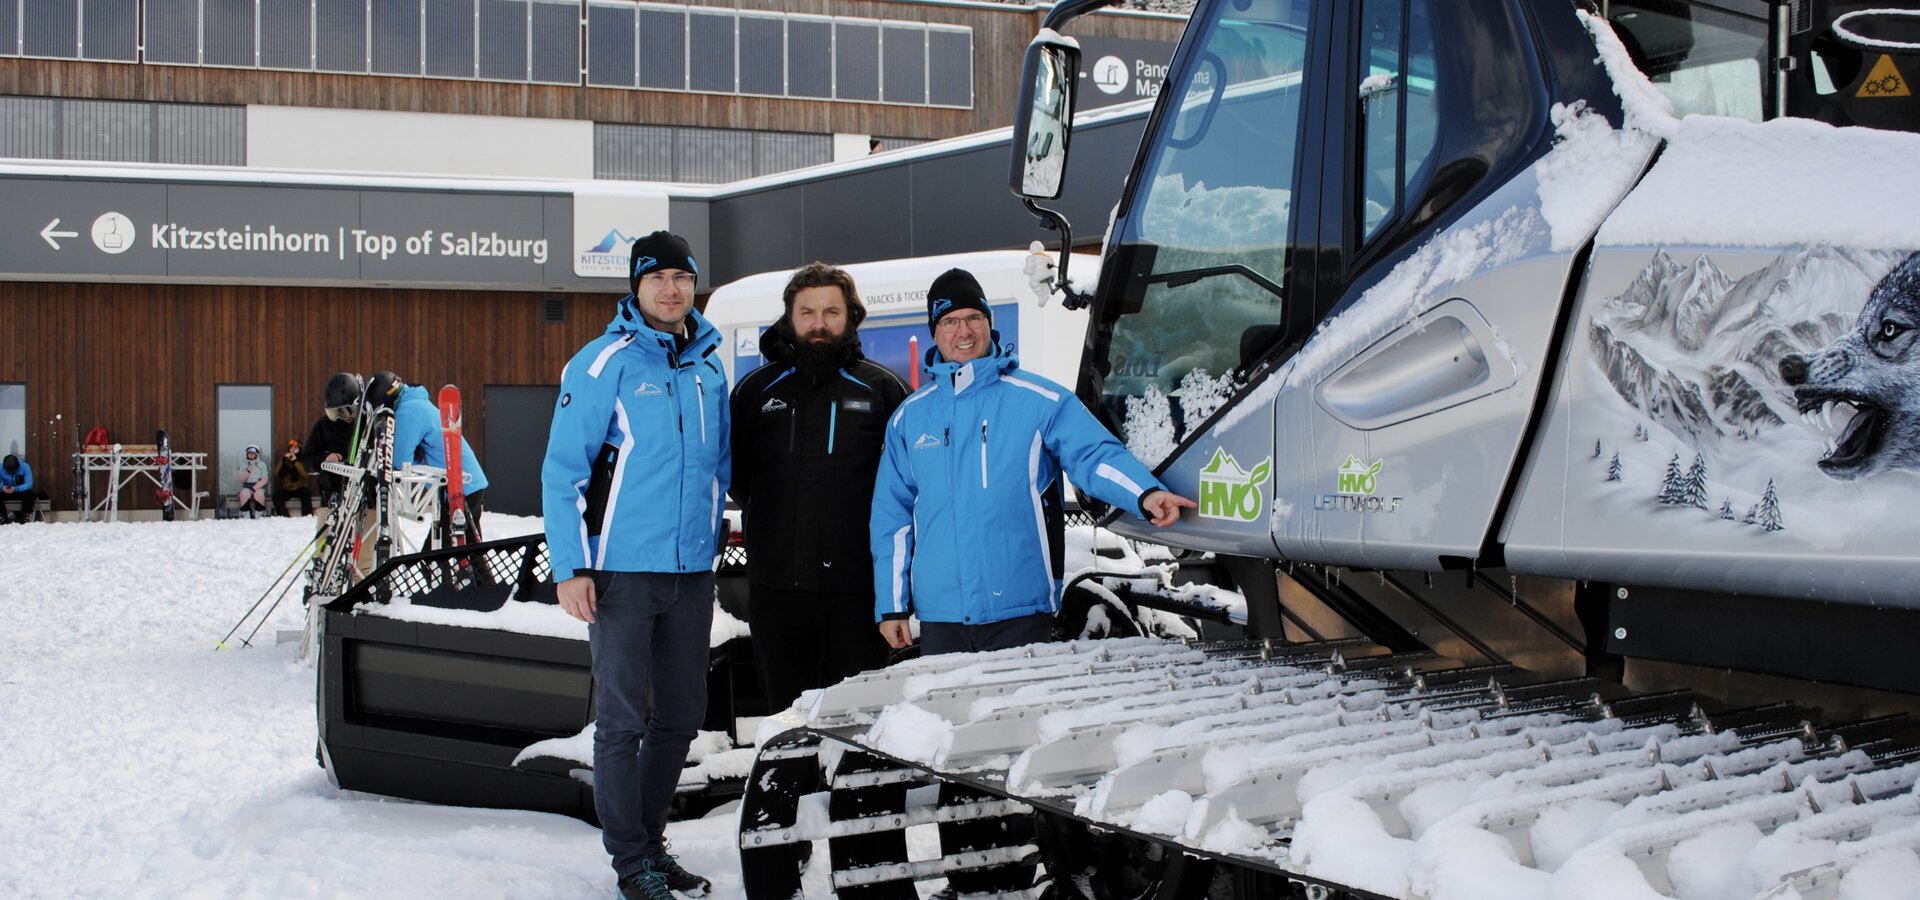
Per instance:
{"type": "Point", "coordinates": [1445, 358]}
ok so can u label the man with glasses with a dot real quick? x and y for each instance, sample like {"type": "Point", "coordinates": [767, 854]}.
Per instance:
{"type": "Point", "coordinates": [637, 463]}
{"type": "Point", "coordinates": [966, 529]}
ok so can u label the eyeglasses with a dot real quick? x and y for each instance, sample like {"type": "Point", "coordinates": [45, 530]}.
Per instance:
{"type": "Point", "coordinates": [951, 323]}
{"type": "Point", "coordinates": [658, 280]}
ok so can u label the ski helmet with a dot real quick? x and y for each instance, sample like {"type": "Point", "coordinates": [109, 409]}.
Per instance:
{"type": "Point", "coordinates": [253, 449]}
{"type": "Point", "coordinates": [384, 389]}
{"type": "Point", "coordinates": [343, 389]}
{"type": "Point", "coordinates": [11, 464]}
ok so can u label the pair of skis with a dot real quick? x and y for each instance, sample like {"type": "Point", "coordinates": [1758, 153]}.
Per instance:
{"type": "Point", "coordinates": [451, 425]}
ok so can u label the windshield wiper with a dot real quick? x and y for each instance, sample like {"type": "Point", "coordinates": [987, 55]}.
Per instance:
{"type": "Point", "coordinates": [1184, 277]}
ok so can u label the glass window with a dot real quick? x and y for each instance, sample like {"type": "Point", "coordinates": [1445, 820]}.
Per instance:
{"type": "Point", "coordinates": [340, 35]}
{"type": "Point", "coordinates": [663, 49]}
{"type": "Point", "coordinates": [50, 27]}
{"type": "Point", "coordinates": [1396, 82]}
{"type": "Point", "coordinates": [710, 67]}
{"type": "Point", "coordinates": [712, 155]}
{"type": "Point", "coordinates": [33, 127]}
{"type": "Point", "coordinates": [809, 57]}
{"type": "Point", "coordinates": [763, 55]}
{"type": "Point", "coordinates": [633, 152]}
{"type": "Point", "coordinates": [227, 33]}
{"type": "Point", "coordinates": [396, 37]}
{"type": "Point", "coordinates": [904, 78]}
{"type": "Point", "coordinates": [450, 38]}
{"type": "Point", "coordinates": [554, 42]}
{"type": "Point", "coordinates": [503, 39]}
{"type": "Point", "coordinates": [1706, 60]}
{"type": "Point", "coordinates": [950, 67]}
{"type": "Point", "coordinates": [1207, 230]}
{"type": "Point", "coordinates": [106, 130]}
{"type": "Point", "coordinates": [286, 34]}
{"type": "Point", "coordinates": [9, 29]}
{"type": "Point", "coordinates": [172, 31]}
{"type": "Point", "coordinates": [245, 418]}
{"type": "Point", "coordinates": [610, 43]}
{"type": "Point", "coordinates": [199, 134]}
{"type": "Point", "coordinates": [856, 60]}
{"type": "Point", "coordinates": [109, 29]}
{"type": "Point", "coordinates": [13, 421]}
{"type": "Point", "coordinates": [777, 151]}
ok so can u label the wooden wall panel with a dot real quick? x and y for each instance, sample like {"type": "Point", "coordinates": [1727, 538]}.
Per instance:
{"type": "Point", "coordinates": [1000, 38]}
{"type": "Point", "coordinates": [139, 357]}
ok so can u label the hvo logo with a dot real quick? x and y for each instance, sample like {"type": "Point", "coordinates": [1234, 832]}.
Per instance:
{"type": "Point", "coordinates": [1357, 477]}
{"type": "Point", "coordinates": [1230, 492]}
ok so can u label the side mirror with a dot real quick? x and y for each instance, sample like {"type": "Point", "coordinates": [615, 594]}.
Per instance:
{"type": "Point", "coordinates": [1045, 116]}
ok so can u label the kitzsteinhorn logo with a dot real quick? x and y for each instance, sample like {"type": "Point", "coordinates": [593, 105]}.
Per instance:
{"type": "Point", "coordinates": [608, 257]}
{"type": "Point", "coordinates": [1230, 492]}
{"type": "Point", "coordinates": [774, 405]}
{"type": "Point", "coordinates": [926, 441]}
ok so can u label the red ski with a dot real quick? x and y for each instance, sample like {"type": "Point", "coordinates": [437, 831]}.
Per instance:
{"type": "Point", "coordinates": [450, 419]}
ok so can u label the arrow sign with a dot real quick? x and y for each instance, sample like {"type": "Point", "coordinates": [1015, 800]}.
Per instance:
{"type": "Point", "coordinates": [48, 234]}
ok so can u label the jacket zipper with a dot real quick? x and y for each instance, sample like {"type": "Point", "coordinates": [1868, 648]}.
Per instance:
{"type": "Point", "coordinates": [833, 420]}
{"type": "Point", "coordinates": [983, 454]}
{"type": "Point", "coordinates": [701, 387]}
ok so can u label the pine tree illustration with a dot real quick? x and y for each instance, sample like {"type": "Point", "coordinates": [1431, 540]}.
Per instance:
{"type": "Point", "coordinates": [1695, 485]}
{"type": "Point", "coordinates": [1640, 433]}
{"type": "Point", "coordinates": [1770, 509]}
{"type": "Point", "coordinates": [1672, 487]}
{"type": "Point", "coordinates": [1613, 468]}
{"type": "Point", "coordinates": [1753, 515]}
{"type": "Point", "coordinates": [1726, 508]}
{"type": "Point", "coordinates": [1596, 449]}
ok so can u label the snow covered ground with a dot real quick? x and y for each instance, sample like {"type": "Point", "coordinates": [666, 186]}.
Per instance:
{"type": "Point", "coordinates": [136, 761]}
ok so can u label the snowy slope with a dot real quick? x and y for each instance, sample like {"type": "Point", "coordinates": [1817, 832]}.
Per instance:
{"type": "Point", "coordinates": [138, 762]}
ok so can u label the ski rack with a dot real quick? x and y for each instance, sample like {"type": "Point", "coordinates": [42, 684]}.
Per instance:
{"type": "Point", "coordinates": [1057, 749]}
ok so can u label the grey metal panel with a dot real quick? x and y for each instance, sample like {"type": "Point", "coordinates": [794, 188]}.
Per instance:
{"type": "Point", "coordinates": [711, 37]}
{"type": "Point", "coordinates": [173, 31]}
{"type": "Point", "coordinates": [633, 152]}
{"type": "Point", "coordinates": [945, 222]}
{"type": "Point", "coordinates": [809, 58]}
{"type": "Point", "coordinates": [9, 29]}
{"type": "Point", "coordinates": [450, 38]}
{"type": "Point", "coordinates": [712, 155]}
{"type": "Point", "coordinates": [340, 35]}
{"type": "Point", "coordinates": [516, 419]}
{"type": "Point", "coordinates": [763, 56]}
{"type": "Point", "coordinates": [286, 34]}
{"type": "Point", "coordinates": [903, 73]}
{"type": "Point", "coordinates": [200, 135]}
{"type": "Point", "coordinates": [856, 61]}
{"type": "Point", "coordinates": [553, 42]}
{"type": "Point", "coordinates": [863, 211]}
{"type": "Point", "coordinates": [110, 29]}
{"type": "Point", "coordinates": [761, 233]}
{"type": "Point", "coordinates": [503, 39]}
{"type": "Point", "coordinates": [663, 49]}
{"type": "Point", "coordinates": [30, 128]}
{"type": "Point", "coordinates": [226, 28]}
{"type": "Point", "coordinates": [690, 219]}
{"type": "Point", "coordinates": [779, 151]}
{"type": "Point", "coordinates": [949, 67]}
{"type": "Point", "coordinates": [50, 28]}
{"type": "Point", "coordinates": [610, 45]}
{"type": "Point", "coordinates": [105, 130]}
{"type": "Point", "coordinates": [396, 37]}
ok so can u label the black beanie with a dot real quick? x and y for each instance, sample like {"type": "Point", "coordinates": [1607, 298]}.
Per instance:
{"type": "Point", "coordinates": [955, 289]}
{"type": "Point", "coordinates": [659, 250]}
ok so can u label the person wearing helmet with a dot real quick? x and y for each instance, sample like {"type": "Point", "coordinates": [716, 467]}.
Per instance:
{"type": "Point", "coordinates": [253, 484]}
{"type": "Point", "coordinates": [17, 495]}
{"type": "Point", "coordinates": [331, 438]}
{"type": "Point", "coordinates": [291, 482]}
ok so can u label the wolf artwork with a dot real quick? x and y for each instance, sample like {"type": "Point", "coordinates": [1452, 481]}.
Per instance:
{"type": "Point", "coordinates": [1875, 370]}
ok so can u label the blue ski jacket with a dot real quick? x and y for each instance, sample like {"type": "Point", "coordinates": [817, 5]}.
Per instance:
{"type": "Point", "coordinates": [418, 437]}
{"type": "Point", "coordinates": [639, 458]}
{"type": "Point", "coordinates": [19, 481]}
{"type": "Point", "coordinates": [959, 528]}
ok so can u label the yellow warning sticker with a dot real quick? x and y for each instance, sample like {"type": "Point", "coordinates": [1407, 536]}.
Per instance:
{"type": "Point", "coordinates": [1884, 81]}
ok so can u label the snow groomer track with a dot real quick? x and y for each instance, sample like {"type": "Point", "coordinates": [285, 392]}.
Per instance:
{"type": "Point", "coordinates": [1148, 768]}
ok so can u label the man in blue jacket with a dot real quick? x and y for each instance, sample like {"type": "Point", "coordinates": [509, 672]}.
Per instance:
{"type": "Point", "coordinates": [970, 478]}
{"type": "Point", "coordinates": [637, 463]}
{"type": "Point", "coordinates": [17, 495]}
{"type": "Point", "coordinates": [418, 436]}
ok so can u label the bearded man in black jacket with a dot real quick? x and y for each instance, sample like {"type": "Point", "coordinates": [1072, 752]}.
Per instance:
{"type": "Point", "coordinates": [807, 428]}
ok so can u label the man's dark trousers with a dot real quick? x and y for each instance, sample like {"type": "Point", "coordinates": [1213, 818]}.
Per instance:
{"type": "Point", "coordinates": [810, 639]}
{"type": "Point", "coordinates": [650, 650]}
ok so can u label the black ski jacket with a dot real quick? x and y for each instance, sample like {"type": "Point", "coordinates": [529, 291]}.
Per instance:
{"type": "Point", "coordinates": [805, 452]}
{"type": "Point", "coordinates": [327, 436]}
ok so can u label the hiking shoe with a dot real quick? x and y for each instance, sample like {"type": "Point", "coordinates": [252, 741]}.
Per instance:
{"type": "Point", "coordinates": [646, 884]}
{"type": "Point", "coordinates": [680, 880]}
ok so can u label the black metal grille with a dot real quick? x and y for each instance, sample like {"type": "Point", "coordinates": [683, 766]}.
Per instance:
{"type": "Point", "coordinates": [481, 577]}
{"type": "Point", "coordinates": [553, 310]}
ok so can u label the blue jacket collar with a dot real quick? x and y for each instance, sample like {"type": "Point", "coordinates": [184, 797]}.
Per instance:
{"type": "Point", "coordinates": [626, 320]}
{"type": "Point", "coordinates": [965, 376]}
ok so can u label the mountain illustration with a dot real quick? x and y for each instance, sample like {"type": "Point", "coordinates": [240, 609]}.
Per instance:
{"type": "Point", "coordinates": [614, 239]}
{"type": "Point", "coordinates": [1700, 351]}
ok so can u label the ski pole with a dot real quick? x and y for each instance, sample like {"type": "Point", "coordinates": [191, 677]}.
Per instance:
{"type": "Point", "coordinates": [248, 640]}
{"type": "Point", "coordinates": [298, 558]}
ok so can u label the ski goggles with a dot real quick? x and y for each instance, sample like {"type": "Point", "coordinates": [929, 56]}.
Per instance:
{"type": "Point", "coordinates": [341, 413]}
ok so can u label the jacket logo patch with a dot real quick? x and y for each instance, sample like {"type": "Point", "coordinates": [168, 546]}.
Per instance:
{"type": "Point", "coordinates": [774, 405]}
{"type": "Point", "coordinates": [857, 405]}
{"type": "Point", "coordinates": [566, 399]}
{"type": "Point", "coordinates": [927, 441]}
{"type": "Point", "coordinates": [647, 389]}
